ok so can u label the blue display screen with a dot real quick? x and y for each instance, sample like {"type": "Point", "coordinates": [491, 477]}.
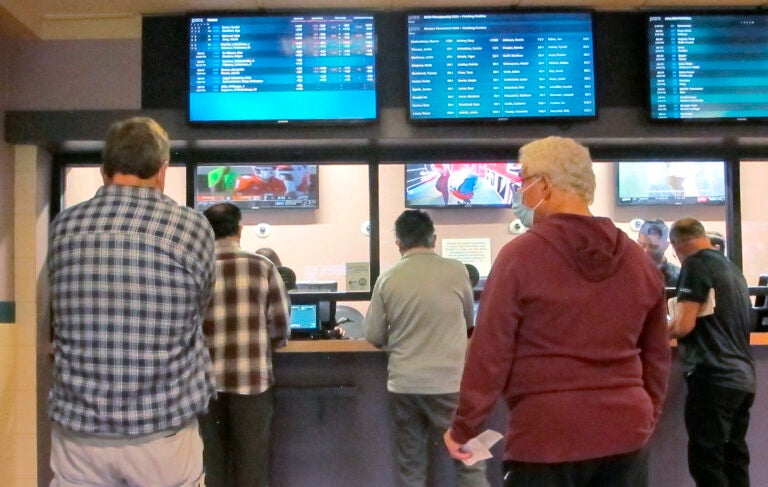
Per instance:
{"type": "Point", "coordinates": [304, 317]}
{"type": "Point", "coordinates": [708, 67]}
{"type": "Point", "coordinates": [291, 68]}
{"type": "Point", "coordinates": [499, 66]}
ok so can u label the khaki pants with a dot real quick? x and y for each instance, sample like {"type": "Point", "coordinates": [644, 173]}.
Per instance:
{"type": "Point", "coordinates": [172, 459]}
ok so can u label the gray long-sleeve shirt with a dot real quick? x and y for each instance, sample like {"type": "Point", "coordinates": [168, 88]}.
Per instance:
{"type": "Point", "coordinates": [420, 311]}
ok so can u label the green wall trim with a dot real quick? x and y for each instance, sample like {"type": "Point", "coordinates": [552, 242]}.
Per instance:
{"type": "Point", "coordinates": [7, 312]}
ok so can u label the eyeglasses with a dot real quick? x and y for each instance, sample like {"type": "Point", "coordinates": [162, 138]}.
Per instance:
{"type": "Point", "coordinates": [519, 187]}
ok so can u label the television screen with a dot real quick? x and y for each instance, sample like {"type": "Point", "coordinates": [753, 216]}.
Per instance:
{"type": "Point", "coordinates": [708, 66]}
{"type": "Point", "coordinates": [500, 66]}
{"type": "Point", "coordinates": [670, 183]}
{"type": "Point", "coordinates": [257, 186]}
{"type": "Point", "coordinates": [460, 184]}
{"type": "Point", "coordinates": [286, 68]}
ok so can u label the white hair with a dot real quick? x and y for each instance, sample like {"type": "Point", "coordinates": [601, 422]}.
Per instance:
{"type": "Point", "coordinates": [565, 162]}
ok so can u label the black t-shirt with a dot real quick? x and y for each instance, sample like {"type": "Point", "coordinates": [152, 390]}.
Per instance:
{"type": "Point", "coordinates": [717, 350]}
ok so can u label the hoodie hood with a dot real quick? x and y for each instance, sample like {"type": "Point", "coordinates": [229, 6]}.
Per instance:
{"type": "Point", "coordinates": [592, 245]}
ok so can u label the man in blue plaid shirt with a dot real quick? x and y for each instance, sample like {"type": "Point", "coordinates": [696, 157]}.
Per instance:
{"type": "Point", "coordinates": [131, 275]}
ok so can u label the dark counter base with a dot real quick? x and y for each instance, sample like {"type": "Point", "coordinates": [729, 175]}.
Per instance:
{"type": "Point", "coordinates": [332, 426]}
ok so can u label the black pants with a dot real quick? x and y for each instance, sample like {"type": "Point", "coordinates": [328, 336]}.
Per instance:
{"type": "Point", "coordinates": [717, 419]}
{"type": "Point", "coordinates": [236, 434]}
{"type": "Point", "coordinates": [628, 470]}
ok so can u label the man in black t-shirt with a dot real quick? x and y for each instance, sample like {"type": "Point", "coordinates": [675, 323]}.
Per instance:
{"type": "Point", "coordinates": [711, 319]}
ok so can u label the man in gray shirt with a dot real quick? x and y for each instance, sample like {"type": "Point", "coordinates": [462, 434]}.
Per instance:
{"type": "Point", "coordinates": [420, 312]}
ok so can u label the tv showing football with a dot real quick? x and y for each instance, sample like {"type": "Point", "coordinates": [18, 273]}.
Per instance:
{"type": "Point", "coordinates": [499, 66]}
{"type": "Point", "coordinates": [313, 68]}
{"type": "Point", "coordinates": [257, 186]}
{"type": "Point", "coordinates": [642, 183]}
{"type": "Point", "coordinates": [708, 66]}
{"type": "Point", "coordinates": [461, 184]}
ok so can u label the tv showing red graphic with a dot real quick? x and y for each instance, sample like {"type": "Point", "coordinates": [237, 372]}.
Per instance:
{"type": "Point", "coordinates": [460, 184]}
{"type": "Point", "coordinates": [257, 186]}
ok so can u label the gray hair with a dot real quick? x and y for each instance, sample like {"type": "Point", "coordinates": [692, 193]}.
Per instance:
{"type": "Point", "coordinates": [565, 162]}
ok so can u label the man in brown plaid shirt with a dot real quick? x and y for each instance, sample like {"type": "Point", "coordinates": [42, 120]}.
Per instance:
{"type": "Point", "coordinates": [248, 318]}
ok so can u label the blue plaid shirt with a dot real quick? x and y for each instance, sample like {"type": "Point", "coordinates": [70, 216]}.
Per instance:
{"type": "Point", "coordinates": [131, 275]}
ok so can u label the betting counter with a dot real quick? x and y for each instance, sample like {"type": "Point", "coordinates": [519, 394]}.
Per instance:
{"type": "Point", "coordinates": [332, 420]}
{"type": "Point", "coordinates": [328, 346]}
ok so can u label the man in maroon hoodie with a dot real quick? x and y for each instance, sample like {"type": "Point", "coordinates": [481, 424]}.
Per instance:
{"type": "Point", "coordinates": [572, 332]}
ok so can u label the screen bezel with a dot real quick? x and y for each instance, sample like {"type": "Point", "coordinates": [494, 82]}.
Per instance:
{"type": "Point", "coordinates": [670, 204]}
{"type": "Point", "coordinates": [198, 189]}
{"type": "Point", "coordinates": [649, 79]}
{"type": "Point", "coordinates": [408, 203]}
{"type": "Point", "coordinates": [282, 121]}
{"type": "Point", "coordinates": [507, 119]}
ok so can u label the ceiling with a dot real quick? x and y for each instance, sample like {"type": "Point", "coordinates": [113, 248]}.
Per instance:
{"type": "Point", "coordinates": [121, 19]}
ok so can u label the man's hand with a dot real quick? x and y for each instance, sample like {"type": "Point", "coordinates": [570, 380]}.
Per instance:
{"type": "Point", "coordinates": [454, 449]}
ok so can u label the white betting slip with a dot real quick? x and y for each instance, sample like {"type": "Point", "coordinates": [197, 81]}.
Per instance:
{"type": "Point", "coordinates": [480, 446]}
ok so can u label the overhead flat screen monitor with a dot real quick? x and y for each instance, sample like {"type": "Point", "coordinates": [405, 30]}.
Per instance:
{"type": "Point", "coordinates": [708, 66]}
{"type": "Point", "coordinates": [460, 184]}
{"type": "Point", "coordinates": [501, 66]}
{"type": "Point", "coordinates": [282, 68]}
{"type": "Point", "coordinates": [304, 319]}
{"type": "Point", "coordinates": [257, 186]}
{"type": "Point", "coordinates": [641, 183]}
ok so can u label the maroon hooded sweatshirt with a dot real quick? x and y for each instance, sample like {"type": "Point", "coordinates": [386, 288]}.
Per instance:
{"type": "Point", "coordinates": [572, 331]}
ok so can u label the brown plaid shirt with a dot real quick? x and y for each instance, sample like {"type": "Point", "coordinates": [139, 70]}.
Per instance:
{"type": "Point", "coordinates": [247, 318]}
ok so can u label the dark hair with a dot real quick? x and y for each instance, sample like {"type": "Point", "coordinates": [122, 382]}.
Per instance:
{"type": "Point", "coordinates": [414, 228]}
{"type": "Point", "coordinates": [224, 218]}
{"type": "Point", "coordinates": [717, 240]}
{"type": "Point", "coordinates": [137, 146]}
{"type": "Point", "coordinates": [474, 274]}
{"type": "Point", "coordinates": [655, 227]}
{"type": "Point", "coordinates": [270, 254]}
{"type": "Point", "coordinates": [288, 276]}
{"type": "Point", "coordinates": [686, 229]}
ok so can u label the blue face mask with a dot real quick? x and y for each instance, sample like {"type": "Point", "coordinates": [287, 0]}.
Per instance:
{"type": "Point", "coordinates": [524, 213]}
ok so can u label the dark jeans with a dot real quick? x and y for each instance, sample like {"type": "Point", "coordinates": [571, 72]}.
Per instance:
{"type": "Point", "coordinates": [717, 419]}
{"type": "Point", "coordinates": [628, 470]}
{"type": "Point", "coordinates": [418, 418]}
{"type": "Point", "coordinates": [236, 439]}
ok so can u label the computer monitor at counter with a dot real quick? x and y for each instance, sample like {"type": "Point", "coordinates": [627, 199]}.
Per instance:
{"type": "Point", "coordinates": [305, 320]}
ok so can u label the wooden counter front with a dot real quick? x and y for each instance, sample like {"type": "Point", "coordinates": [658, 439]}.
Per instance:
{"type": "Point", "coordinates": [755, 338]}
{"type": "Point", "coordinates": [760, 338]}
{"type": "Point", "coordinates": [328, 346]}
{"type": "Point", "coordinates": [361, 345]}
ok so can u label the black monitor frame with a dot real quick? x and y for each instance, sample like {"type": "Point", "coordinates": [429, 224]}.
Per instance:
{"type": "Point", "coordinates": [501, 119]}
{"type": "Point", "coordinates": [293, 121]}
{"type": "Point", "coordinates": [700, 13]}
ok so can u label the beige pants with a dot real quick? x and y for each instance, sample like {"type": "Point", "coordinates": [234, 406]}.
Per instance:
{"type": "Point", "coordinates": [160, 460]}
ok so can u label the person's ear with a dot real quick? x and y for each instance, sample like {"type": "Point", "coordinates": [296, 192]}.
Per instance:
{"type": "Point", "coordinates": [160, 177]}
{"type": "Point", "coordinates": [104, 178]}
{"type": "Point", "coordinates": [546, 189]}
